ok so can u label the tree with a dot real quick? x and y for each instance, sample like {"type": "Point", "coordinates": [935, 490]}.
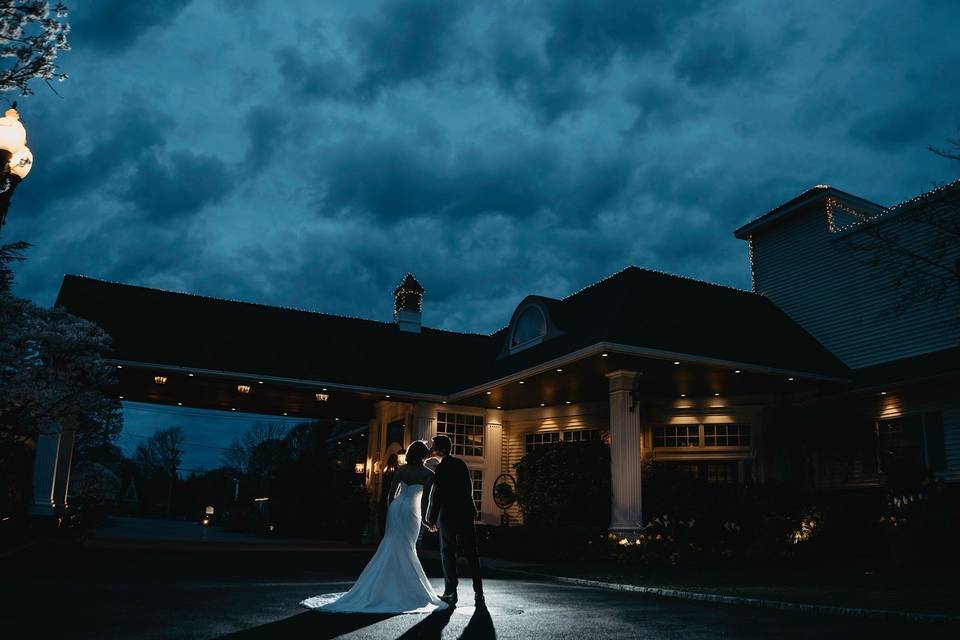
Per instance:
{"type": "Point", "coordinates": [159, 458]}
{"type": "Point", "coordinates": [52, 372]}
{"type": "Point", "coordinates": [239, 454]}
{"type": "Point", "coordinates": [31, 36]}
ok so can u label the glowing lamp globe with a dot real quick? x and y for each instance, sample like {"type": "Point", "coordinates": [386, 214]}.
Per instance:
{"type": "Point", "coordinates": [21, 162]}
{"type": "Point", "coordinates": [13, 137]}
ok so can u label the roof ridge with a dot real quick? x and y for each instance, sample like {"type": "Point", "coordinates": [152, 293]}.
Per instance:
{"type": "Point", "coordinates": [256, 304]}
{"type": "Point", "coordinates": [678, 276]}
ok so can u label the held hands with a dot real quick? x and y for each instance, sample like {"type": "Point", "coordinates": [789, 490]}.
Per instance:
{"type": "Point", "coordinates": [431, 527]}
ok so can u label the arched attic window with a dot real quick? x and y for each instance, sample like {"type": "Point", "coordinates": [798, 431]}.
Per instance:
{"type": "Point", "coordinates": [529, 329]}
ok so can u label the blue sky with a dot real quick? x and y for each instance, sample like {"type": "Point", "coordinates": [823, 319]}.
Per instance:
{"type": "Point", "coordinates": [308, 154]}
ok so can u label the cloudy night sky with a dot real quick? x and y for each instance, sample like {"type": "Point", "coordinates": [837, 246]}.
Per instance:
{"type": "Point", "coordinates": [308, 154]}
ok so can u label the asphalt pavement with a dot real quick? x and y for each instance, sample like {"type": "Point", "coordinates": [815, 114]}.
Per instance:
{"type": "Point", "coordinates": [70, 592]}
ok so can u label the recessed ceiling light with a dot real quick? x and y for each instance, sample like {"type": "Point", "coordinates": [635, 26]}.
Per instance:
{"type": "Point", "coordinates": [119, 366]}
{"type": "Point", "coordinates": [676, 362]}
{"type": "Point", "coordinates": [522, 382]}
{"type": "Point", "coordinates": [387, 396]}
{"type": "Point", "coordinates": [568, 402]}
{"type": "Point", "coordinates": [883, 393]}
{"type": "Point", "coordinates": [683, 395]}
{"type": "Point", "coordinates": [324, 389]}
{"type": "Point", "coordinates": [559, 370]}
{"type": "Point", "coordinates": [499, 407]}
{"type": "Point", "coordinates": [121, 397]}
{"type": "Point", "coordinates": [790, 379]}
{"type": "Point", "coordinates": [179, 404]}
{"type": "Point", "coordinates": [489, 392]}
{"type": "Point", "coordinates": [604, 355]}
{"type": "Point", "coordinates": [284, 413]}
{"type": "Point", "coordinates": [444, 402]}
{"type": "Point", "coordinates": [737, 371]}
{"type": "Point", "coordinates": [716, 394]}
{"type": "Point", "coordinates": [542, 405]}
{"type": "Point", "coordinates": [259, 381]}
{"type": "Point", "coordinates": [337, 419]}
{"type": "Point", "coordinates": [190, 374]}
{"type": "Point", "coordinates": [233, 408]}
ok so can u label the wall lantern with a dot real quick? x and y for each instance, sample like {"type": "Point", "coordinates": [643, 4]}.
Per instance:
{"type": "Point", "coordinates": [243, 388]}
{"type": "Point", "coordinates": [16, 160]}
{"type": "Point", "coordinates": [160, 379]}
{"type": "Point", "coordinates": [323, 397]}
{"type": "Point", "coordinates": [358, 468]}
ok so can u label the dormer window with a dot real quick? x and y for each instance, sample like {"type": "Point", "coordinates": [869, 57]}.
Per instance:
{"type": "Point", "coordinates": [529, 329]}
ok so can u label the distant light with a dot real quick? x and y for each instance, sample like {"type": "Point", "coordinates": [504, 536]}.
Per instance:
{"type": "Point", "coordinates": [284, 413]}
{"type": "Point", "coordinates": [387, 396]}
{"type": "Point", "coordinates": [522, 382]}
{"type": "Point", "coordinates": [790, 379]}
{"type": "Point", "coordinates": [489, 392]}
{"type": "Point", "coordinates": [358, 468]}
{"type": "Point", "coordinates": [233, 408]}
{"type": "Point", "coordinates": [676, 362]}
{"type": "Point", "coordinates": [883, 393]}
{"type": "Point", "coordinates": [737, 371]}
{"type": "Point", "coordinates": [119, 366]}
{"type": "Point", "coordinates": [683, 395]}
{"type": "Point", "coordinates": [542, 405]}
{"type": "Point", "coordinates": [604, 355]}
{"type": "Point", "coordinates": [243, 388]}
{"type": "Point", "coordinates": [716, 394]}
{"type": "Point", "coordinates": [568, 402]}
{"type": "Point", "coordinates": [323, 397]}
{"type": "Point", "coordinates": [259, 381]}
{"type": "Point", "coordinates": [260, 499]}
{"type": "Point", "coordinates": [190, 374]}
{"type": "Point", "coordinates": [444, 402]}
{"type": "Point", "coordinates": [559, 370]}
{"type": "Point", "coordinates": [337, 419]}
{"type": "Point", "coordinates": [121, 397]}
{"type": "Point", "coordinates": [179, 404]}
{"type": "Point", "coordinates": [160, 379]}
{"type": "Point", "coordinates": [324, 389]}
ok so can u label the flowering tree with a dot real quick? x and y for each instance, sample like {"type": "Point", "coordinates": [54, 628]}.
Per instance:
{"type": "Point", "coordinates": [31, 36]}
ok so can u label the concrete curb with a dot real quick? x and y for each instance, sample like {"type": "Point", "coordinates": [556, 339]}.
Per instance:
{"type": "Point", "coordinates": [874, 614]}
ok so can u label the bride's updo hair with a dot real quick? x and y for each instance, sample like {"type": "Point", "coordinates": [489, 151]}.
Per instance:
{"type": "Point", "coordinates": [416, 452]}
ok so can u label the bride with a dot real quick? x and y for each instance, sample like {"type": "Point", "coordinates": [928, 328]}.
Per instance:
{"type": "Point", "coordinates": [393, 581]}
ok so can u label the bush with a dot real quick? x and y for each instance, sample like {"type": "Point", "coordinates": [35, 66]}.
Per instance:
{"type": "Point", "coordinates": [565, 485]}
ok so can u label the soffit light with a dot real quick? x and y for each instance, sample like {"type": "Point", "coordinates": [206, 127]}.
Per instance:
{"type": "Point", "coordinates": [243, 388]}
{"type": "Point", "coordinates": [323, 397]}
{"type": "Point", "coordinates": [604, 355]}
{"type": "Point", "coordinates": [160, 379]}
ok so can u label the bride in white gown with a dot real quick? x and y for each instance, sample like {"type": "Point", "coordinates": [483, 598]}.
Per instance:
{"type": "Point", "coordinates": [393, 581]}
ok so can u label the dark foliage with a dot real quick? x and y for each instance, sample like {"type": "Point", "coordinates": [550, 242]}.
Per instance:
{"type": "Point", "coordinates": [566, 485]}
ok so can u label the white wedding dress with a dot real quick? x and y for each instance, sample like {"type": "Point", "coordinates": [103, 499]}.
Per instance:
{"type": "Point", "coordinates": [393, 581]}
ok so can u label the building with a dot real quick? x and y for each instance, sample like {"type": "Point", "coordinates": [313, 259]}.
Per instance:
{"type": "Point", "coordinates": [668, 369]}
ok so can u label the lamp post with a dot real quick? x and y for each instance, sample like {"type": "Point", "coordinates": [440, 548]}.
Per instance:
{"type": "Point", "coordinates": [16, 159]}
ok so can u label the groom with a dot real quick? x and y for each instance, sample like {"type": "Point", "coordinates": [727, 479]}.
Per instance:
{"type": "Point", "coordinates": [451, 509]}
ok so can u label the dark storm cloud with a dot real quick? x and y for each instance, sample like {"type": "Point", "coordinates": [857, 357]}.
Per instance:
{"type": "Point", "coordinates": [660, 105]}
{"type": "Point", "coordinates": [114, 25]}
{"type": "Point", "coordinates": [391, 179]}
{"type": "Point", "coordinates": [715, 59]}
{"type": "Point", "coordinates": [175, 184]}
{"type": "Point", "coordinates": [895, 127]}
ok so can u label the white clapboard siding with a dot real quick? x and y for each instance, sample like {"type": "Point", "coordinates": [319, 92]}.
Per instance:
{"type": "Point", "coordinates": [848, 305]}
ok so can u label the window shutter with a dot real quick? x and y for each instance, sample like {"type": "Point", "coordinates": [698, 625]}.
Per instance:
{"type": "Point", "coordinates": [933, 437]}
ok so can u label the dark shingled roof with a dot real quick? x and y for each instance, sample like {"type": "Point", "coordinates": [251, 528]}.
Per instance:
{"type": "Point", "coordinates": [635, 307]}
{"type": "Point", "coordinates": [811, 195]}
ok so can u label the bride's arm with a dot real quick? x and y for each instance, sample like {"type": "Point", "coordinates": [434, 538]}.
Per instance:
{"type": "Point", "coordinates": [394, 486]}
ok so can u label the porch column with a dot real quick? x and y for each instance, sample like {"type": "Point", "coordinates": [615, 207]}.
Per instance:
{"type": "Point", "coordinates": [625, 454]}
{"type": "Point", "coordinates": [492, 462]}
{"type": "Point", "coordinates": [52, 464]}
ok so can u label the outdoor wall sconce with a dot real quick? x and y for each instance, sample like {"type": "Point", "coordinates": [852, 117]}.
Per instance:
{"type": "Point", "coordinates": [160, 379]}
{"type": "Point", "coordinates": [358, 468]}
{"type": "Point", "coordinates": [323, 397]}
{"type": "Point", "coordinates": [243, 388]}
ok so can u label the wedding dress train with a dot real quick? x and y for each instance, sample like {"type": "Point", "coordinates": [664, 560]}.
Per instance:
{"type": "Point", "coordinates": [393, 581]}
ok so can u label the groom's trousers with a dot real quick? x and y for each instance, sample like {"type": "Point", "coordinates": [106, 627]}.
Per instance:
{"type": "Point", "coordinates": [452, 532]}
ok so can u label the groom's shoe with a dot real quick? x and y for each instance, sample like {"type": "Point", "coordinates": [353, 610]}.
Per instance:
{"type": "Point", "coordinates": [450, 599]}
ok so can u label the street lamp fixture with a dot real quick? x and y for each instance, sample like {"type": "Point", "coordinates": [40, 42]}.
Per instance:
{"type": "Point", "coordinates": [16, 159]}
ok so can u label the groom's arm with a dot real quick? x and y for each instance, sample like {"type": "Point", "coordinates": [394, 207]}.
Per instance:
{"type": "Point", "coordinates": [433, 504]}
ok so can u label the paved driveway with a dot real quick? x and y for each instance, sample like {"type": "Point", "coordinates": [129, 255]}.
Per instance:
{"type": "Point", "coordinates": [142, 594]}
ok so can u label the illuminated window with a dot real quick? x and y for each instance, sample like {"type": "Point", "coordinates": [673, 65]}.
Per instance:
{"type": "Point", "coordinates": [548, 438]}
{"type": "Point", "coordinates": [465, 431]}
{"type": "Point", "coordinates": [726, 435]}
{"type": "Point", "coordinates": [677, 435]}
{"type": "Point", "coordinates": [530, 326]}
{"type": "Point", "coordinates": [476, 481]}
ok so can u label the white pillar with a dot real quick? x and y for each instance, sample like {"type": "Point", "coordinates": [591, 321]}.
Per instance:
{"type": "Point", "coordinates": [52, 463]}
{"type": "Point", "coordinates": [625, 454]}
{"type": "Point", "coordinates": [492, 462]}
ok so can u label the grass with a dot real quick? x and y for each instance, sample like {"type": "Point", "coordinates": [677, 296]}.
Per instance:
{"type": "Point", "coordinates": [914, 590]}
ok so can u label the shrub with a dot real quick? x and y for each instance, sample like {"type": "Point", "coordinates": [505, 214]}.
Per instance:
{"type": "Point", "coordinates": [565, 485]}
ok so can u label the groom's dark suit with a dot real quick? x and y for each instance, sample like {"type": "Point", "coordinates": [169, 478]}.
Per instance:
{"type": "Point", "coordinates": [452, 509]}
